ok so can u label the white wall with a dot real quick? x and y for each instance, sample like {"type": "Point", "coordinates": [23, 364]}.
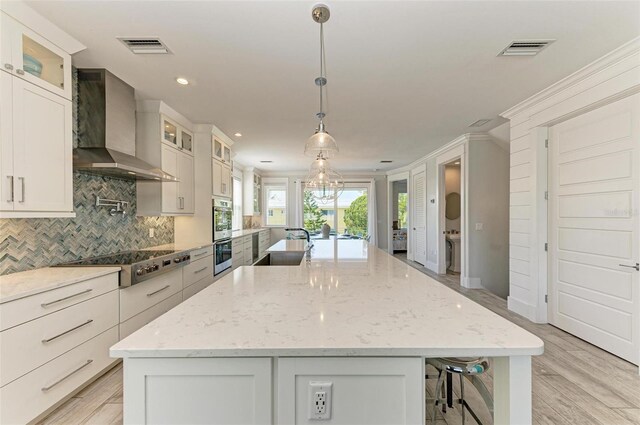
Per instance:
{"type": "Point", "coordinates": [488, 199]}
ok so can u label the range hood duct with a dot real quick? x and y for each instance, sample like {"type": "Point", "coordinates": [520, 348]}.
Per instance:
{"type": "Point", "coordinates": [107, 129]}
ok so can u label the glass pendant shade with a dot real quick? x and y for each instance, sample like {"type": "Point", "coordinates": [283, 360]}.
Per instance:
{"type": "Point", "coordinates": [321, 143]}
{"type": "Point", "coordinates": [324, 183]}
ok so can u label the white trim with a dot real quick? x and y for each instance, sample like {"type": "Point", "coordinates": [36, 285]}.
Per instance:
{"type": "Point", "coordinates": [432, 266]}
{"type": "Point", "coordinates": [471, 282]}
{"type": "Point", "coordinates": [520, 307]}
{"type": "Point", "coordinates": [219, 134]}
{"type": "Point", "coordinates": [628, 49]}
{"type": "Point", "coordinates": [452, 144]}
{"type": "Point", "coordinates": [390, 180]}
{"type": "Point", "coordinates": [277, 182]}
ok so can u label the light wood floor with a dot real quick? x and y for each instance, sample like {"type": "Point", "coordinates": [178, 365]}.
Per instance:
{"type": "Point", "coordinates": [573, 381]}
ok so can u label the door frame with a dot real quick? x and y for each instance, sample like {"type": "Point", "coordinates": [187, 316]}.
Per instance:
{"type": "Point", "coordinates": [390, 180]}
{"type": "Point", "coordinates": [458, 152]}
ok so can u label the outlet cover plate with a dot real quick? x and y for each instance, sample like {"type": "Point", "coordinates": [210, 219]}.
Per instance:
{"type": "Point", "coordinates": [320, 395]}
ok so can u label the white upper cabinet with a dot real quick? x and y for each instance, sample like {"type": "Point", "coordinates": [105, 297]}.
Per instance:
{"type": "Point", "coordinates": [221, 151]}
{"type": "Point", "coordinates": [221, 177]}
{"type": "Point", "coordinates": [164, 139]}
{"type": "Point", "coordinates": [36, 138]}
{"type": "Point", "coordinates": [33, 58]}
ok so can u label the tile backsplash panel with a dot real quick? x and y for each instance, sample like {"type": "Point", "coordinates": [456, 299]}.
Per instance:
{"type": "Point", "coordinates": [29, 243]}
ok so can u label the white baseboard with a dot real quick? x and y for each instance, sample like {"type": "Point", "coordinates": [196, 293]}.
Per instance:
{"type": "Point", "coordinates": [471, 282]}
{"type": "Point", "coordinates": [523, 309]}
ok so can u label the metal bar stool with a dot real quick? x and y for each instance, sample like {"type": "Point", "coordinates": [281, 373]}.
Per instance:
{"type": "Point", "coordinates": [468, 368]}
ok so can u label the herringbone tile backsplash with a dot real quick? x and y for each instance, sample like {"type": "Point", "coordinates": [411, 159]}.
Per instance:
{"type": "Point", "coordinates": [28, 243]}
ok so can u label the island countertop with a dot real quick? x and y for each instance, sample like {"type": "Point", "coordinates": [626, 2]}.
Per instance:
{"type": "Point", "coordinates": [351, 299]}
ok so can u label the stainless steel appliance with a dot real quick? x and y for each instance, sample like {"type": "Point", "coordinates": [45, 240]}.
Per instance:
{"type": "Point", "coordinates": [107, 130]}
{"type": "Point", "coordinates": [223, 256]}
{"type": "Point", "coordinates": [222, 219]}
{"type": "Point", "coordinates": [137, 266]}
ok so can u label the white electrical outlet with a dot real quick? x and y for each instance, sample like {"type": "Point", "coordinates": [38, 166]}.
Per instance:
{"type": "Point", "coordinates": [320, 400]}
{"type": "Point", "coordinates": [152, 232]}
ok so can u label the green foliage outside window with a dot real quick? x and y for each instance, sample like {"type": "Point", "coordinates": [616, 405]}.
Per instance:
{"type": "Point", "coordinates": [356, 216]}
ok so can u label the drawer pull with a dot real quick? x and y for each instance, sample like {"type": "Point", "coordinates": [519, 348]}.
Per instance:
{"type": "Point", "coordinates": [201, 270]}
{"type": "Point", "coordinates": [200, 254]}
{"type": "Point", "coordinates": [44, 341]}
{"type": "Point", "coordinates": [48, 387]}
{"type": "Point", "coordinates": [159, 290]}
{"type": "Point", "coordinates": [66, 298]}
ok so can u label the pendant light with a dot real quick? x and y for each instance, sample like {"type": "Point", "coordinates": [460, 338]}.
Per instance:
{"type": "Point", "coordinates": [321, 143]}
{"type": "Point", "coordinates": [325, 183]}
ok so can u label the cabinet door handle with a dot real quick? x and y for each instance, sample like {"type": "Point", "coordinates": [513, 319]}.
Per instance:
{"type": "Point", "coordinates": [48, 387]}
{"type": "Point", "coordinates": [11, 189]}
{"type": "Point", "coordinates": [637, 266]}
{"type": "Point", "coordinates": [47, 304]}
{"type": "Point", "coordinates": [159, 290]}
{"type": "Point", "coordinates": [8, 66]}
{"type": "Point", "coordinates": [201, 270]}
{"type": "Point", "coordinates": [20, 71]}
{"type": "Point", "coordinates": [200, 254]}
{"type": "Point", "coordinates": [22, 189]}
{"type": "Point", "coordinates": [44, 341]}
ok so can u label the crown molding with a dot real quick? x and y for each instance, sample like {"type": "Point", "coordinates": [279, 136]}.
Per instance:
{"type": "Point", "coordinates": [626, 50]}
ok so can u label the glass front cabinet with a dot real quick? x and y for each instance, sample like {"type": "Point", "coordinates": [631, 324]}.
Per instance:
{"type": "Point", "coordinates": [33, 58]}
{"type": "Point", "coordinates": [221, 151]}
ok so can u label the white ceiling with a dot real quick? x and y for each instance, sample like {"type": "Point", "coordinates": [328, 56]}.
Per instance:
{"type": "Point", "coordinates": [404, 77]}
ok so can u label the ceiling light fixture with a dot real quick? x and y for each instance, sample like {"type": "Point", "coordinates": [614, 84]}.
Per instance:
{"type": "Point", "coordinates": [238, 134]}
{"type": "Point", "coordinates": [182, 81]}
{"type": "Point", "coordinates": [321, 142]}
{"type": "Point", "coordinates": [325, 183]}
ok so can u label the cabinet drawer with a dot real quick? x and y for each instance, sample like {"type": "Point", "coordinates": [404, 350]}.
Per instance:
{"type": "Point", "coordinates": [198, 270]}
{"type": "Point", "coordinates": [195, 288]}
{"type": "Point", "coordinates": [25, 309]}
{"type": "Point", "coordinates": [24, 399]}
{"type": "Point", "coordinates": [137, 298]}
{"type": "Point", "coordinates": [30, 345]}
{"type": "Point", "coordinates": [197, 254]}
{"type": "Point", "coordinates": [237, 247]}
{"type": "Point", "coordinates": [139, 320]}
{"type": "Point", "coordinates": [237, 260]}
{"type": "Point", "coordinates": [246, 240]}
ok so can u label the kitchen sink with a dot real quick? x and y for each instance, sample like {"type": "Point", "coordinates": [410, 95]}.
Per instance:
{"type": "Point", "coordinates": [293, 258]}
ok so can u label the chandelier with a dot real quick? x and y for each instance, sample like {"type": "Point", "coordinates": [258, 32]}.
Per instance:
{"type": "Point", "coordinates": [324, 183]}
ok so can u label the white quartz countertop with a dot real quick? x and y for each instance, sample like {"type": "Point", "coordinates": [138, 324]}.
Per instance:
{"type": "Point", "coordinates": [246, 232]}
{"type": "Point", "coordinates": [352, 299]}
{"type": "Point", "coordinates": [23, 284]}
{"type": "Point", "coordinates": [178, 246]}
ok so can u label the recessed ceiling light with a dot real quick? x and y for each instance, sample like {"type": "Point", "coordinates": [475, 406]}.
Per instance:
{"type": "Point", "coordinates": [456, 163]}
{"type": "Point", "coordinates": [182, 81]}
{"type": "Point", "coordinates": [238, 134]}
{"type": "Point", "coordinates": [266, 162]}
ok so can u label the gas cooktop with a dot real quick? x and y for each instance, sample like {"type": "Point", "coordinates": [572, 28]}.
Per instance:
{"type": "Point", "coordinates": [136, 266]}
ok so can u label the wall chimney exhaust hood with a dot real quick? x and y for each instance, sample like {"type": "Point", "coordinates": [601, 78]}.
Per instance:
{"type": "Point", "coordinates": [107, 129]}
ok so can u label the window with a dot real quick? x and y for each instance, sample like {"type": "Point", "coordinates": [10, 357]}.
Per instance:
{"type": "Point", "coordinates": [275, 203]}
{"type": "Point", "coordinates": [347, 216]}
{"type": "Point", "coordinates": [237, 204]}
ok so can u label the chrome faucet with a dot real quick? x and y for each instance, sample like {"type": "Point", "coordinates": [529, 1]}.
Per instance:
{"type": "Point", "coordinates": [309, 243]}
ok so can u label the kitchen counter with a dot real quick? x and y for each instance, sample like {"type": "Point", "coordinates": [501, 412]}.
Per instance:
{"type": "Point", "coordinates": [246, 232]}
{"type": "Point", "coordinates": [23, 284]}
{"type": "Point", "coordinates": [178, 246]}
{"type": "Point", "coordinates": [351, 301]}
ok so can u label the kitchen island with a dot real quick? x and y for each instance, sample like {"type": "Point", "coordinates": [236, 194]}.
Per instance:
{"type": "Point", "coordinates": [246, 349]}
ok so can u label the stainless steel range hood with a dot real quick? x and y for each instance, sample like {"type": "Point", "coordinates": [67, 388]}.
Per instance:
{"type": "Point", "coordinates": [107, 129]}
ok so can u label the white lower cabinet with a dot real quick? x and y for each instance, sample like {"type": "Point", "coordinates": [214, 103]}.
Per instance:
{"type": "Point", "coordinates": [198, 391]}
{"type": "Point", "coordinates": [29, 397]}
{"type": "Point", "coordinates": [137, 298]}
{"type": "Point", "coordinates": [139, 320]}
{"type": "Point", "coordinates": [193, 289]}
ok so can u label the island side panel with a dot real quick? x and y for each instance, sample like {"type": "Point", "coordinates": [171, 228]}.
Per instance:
{"type": "Point", "coordinates": [381, 390]}
{"type": "Point", "coordinates": [198, 390]}
{"type": "Point", "coordinates": [512, 390]}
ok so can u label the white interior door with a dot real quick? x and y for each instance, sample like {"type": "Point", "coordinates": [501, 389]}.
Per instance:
{"type": "Point", "coordinates": [593, 218]}
{"type": "Point", "coordinates": [419, 217]}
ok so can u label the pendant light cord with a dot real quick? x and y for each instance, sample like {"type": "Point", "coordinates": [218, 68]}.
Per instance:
{"type": "Point", "coordinates": [322, 76]}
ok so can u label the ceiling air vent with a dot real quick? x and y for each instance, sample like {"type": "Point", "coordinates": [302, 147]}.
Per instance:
{"type": "Point", "coordinates": [480, 123]}
{"type": "Point", "coordinates": [525, 47]}
{"type": "Point", "coordinates": [266, 161]}
{"type": "Point", "coordinates": [386, 161]}
{"type": "Point", "coordinates": [145, 45]}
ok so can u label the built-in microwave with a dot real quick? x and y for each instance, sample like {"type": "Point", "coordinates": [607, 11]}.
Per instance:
{"type": "Point", "coordinates": [222, 219]}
